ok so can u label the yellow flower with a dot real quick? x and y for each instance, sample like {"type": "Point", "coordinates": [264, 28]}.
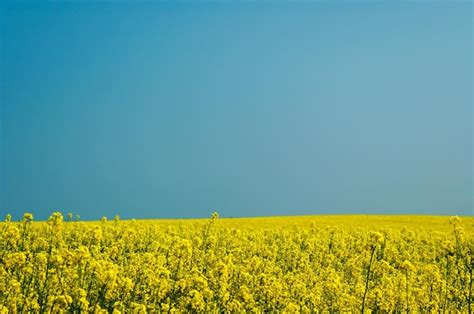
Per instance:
{"type": "Point", "coordinates": [376, 237]}
{"type": "Point", "coordinates": [27, 217]}
{"type": "Point", "coordinates": [407, 266]}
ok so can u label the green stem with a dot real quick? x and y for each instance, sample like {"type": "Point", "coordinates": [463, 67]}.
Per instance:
{"type": "Point", "coordinates": [367, 278]}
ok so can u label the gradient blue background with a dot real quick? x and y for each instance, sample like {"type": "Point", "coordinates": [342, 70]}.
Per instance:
{"type": "Point", "coordinates": [273, 108]}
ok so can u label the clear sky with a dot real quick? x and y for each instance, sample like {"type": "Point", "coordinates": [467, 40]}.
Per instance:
{"type": "Point", "coordinates": [178, 109]}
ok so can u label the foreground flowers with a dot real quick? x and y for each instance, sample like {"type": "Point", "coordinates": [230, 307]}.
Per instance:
{"type": "Point", "coordinates": [295, 264]}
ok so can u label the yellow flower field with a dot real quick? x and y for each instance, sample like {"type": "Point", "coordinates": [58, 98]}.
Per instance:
{"type": "Point", "coordinates": [291, 264]}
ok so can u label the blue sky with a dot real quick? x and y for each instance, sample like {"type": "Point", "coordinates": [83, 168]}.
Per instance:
{"type": "Point", "coordinates": [177, 109]}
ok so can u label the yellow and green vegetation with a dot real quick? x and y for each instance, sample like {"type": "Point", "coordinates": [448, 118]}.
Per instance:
{"type": "Point", "coordinates": [289, 264]}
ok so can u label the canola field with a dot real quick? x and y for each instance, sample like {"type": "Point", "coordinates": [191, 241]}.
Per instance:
{"type": "Point", "coordinates": [418, 264]}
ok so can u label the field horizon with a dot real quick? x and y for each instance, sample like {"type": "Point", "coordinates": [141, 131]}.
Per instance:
{"type": "Point", "coordinates": [18, 216]}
